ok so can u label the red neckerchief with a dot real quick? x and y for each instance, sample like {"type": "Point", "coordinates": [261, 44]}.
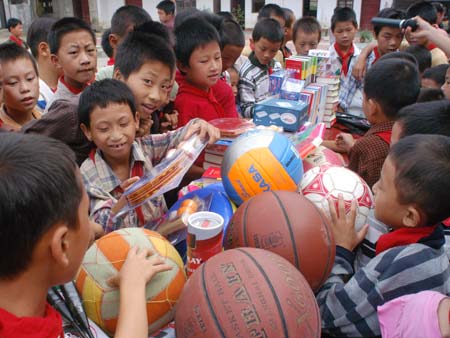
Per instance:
{"type": "Point", "coordinates": [49, 326]}
{"type": "Point", "coordinates": [345, 58]}
{"type": "Point", "coordinates": [446, 222]}
{"type": "Point", "coordinates": [110, 61]}
{"type": "Point", "coordinates": [385, 135]}
{"type": "Point", "coordinates": [401, 237]}
{"type": "Point", "coordinates": [377, 54]}
{"type": "Point", "coordinates": [431, 46]}
{"type": "Point", "coordinates": [18, 41]}
{"type": "Point", "coordinates": [137, 170]}
{"type": "Point", "coordinates": [72, 89]}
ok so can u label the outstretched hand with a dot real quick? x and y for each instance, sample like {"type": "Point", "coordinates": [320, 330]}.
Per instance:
{"type": "Point", "coordinates": [343, 225]}
{"type": "Point", "coordinates": [204, 130]}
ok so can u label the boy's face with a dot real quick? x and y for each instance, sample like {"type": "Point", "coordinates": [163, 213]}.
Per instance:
{"type": "Point", "coordinates": [234, 79]}
{"type": "Point", "coordinates": [344, 32]}
{"type": "Point", "coordinates": [288, 30]}
{"type": "Point", "coordinates": [21, 86]}
{"type": "Point", "coordinates": [113, 130]}
{"type": "Point", "coordinates": [164, 17]}
{"type": "Point", "coordinates": [81, 236]}
{"type": "Point", "coordinates": [17, 31]}
{"type": "Point", "coordinates": [429, 83]}
{"type": "Point", "coordinates": [305, 41]}
{"type": "Point", "coordinates": [150, 86]}
{"type": "Point", "coordinates": [389, 39]}
{"type": "Point", "coordinates": [387, 208]}
{"type": "Point", "coordinates": [230, 53]}
{"type": "Point", "coordinates": [265, 50]}
{"type": "Point", "coordinates": [422, 41]}
{"type": "Point", "coordinates": [281, 20]}
{"type": "Point", "coordinates": [77, 56]}
{"type": "Point", "coordinates": [446, 86]}
{"type": "Point", "coordinates": [205, 66]}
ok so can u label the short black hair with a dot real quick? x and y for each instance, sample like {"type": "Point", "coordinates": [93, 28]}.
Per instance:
{"type": "Point", "coordinates": [64, 26]}
{"type": "Point", "coordinates": [422, 168]}
{"type": "Point", "coordinates": [393, 84]}
{"type": "Point", "coordinates": [166, 6]}
{"type": "Point", "coordinates": [138, 48]}
{"type": "Point", "coordinates": [101, 94]}
{"type": "Point", "coordinates": [270, 10]}
{"type": "Point", "coordinates": [106, 46]}
{"type": "Point", "coordinates": [10, 52]}
{"type": "Point", "coordinates": [126, 16]}
{"type": "Point", "coordinates": [430, 94]}
{"type": "Point", "coordinates": [226, 15]}
{"type": "Point", "coordinates": [158, 29]}
{"type": "Point", "coordinates": [400, 55]}
{"type": "Point", "coordinates": [231, 34]}
{"type": "Point", "coordinates": [269, 29]}
{"type": "Point", "coordinates": [184, 14]}
{"type": "Point", "coordinates": [38, 32]}
{"type": "Point", "coordinates": [422, 55]}
{"type": "Point", "coordinates": [425, 118]}
{"type": "Point", "coordinates": [12, 22]}
{"type": "Point", "coordinates": [39, 187]}
{"type": "Point", "coordinates": [436, 73]}
{"type": "Point", "coordinates": [343, 14]}
{"type": "Point", "coordinates": [191, 34]}
{"type": "Point", "coordinates": [423, 9]}
{"type": "Point", "coordinates": [289, 16]}
{"type": "Point", "coordinates": [387, 13]}
{"type": "Point", "coordinates": [307, 24]}
{"type": "Point", "coordinates": [440, 8]}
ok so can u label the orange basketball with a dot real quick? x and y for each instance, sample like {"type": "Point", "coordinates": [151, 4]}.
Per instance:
{"type": "Point", "coordinates": [247, 292]}
{"type": "Point", "coordinates": [287, 224]}
{"type": "Point", "coordinates": [104, 260]}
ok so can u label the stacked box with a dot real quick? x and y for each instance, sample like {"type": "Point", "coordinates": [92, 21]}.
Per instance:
{"type": "Point", "coordinates": [276, 81]}
{"type": "Point", "coordinates": [290, 115]}
{"type": "Point", "coordinates": [332, 99]}
{"type": "Point", "coordinates": [291, 88]}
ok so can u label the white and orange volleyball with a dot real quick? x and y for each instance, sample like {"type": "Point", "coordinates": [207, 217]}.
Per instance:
{"type": "Point", "coordinates": [104, 260]}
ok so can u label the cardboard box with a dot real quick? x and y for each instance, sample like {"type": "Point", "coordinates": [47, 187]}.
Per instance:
{"type": "Point", "coordinates": [284, 113]}
{"type": "Point", "coordinates": [276, 81]}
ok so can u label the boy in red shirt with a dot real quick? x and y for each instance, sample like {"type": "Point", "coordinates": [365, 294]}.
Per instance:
{"type": "Point", "coordinates": [45, 211]}
{"type": "Point", "coordinates": [199, 63]}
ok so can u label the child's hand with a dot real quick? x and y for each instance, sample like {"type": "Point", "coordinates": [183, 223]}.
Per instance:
{"type": "Point", "coordinates": [203, 129]}
{"type": "Point", "coordinates": [169, 121]}
{"type": "Point", "coordinates": [145, 124]}
{"type": "Point", "coordinates": [139, 268]}
{"type": "Point", "coordinates": [344, 142]}
{"type": "Point", "coordinates": [123, 200]}
{"type": "Point", "coordinates": [343, 225]}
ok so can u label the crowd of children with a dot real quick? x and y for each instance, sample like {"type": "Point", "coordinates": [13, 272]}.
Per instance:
{"type": "Point", "coordinates": [73, 138]}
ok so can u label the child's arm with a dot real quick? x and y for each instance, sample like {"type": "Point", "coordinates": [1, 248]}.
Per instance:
{"type": "Point", "coordinates": [359, 69]}
{"type": "Point", "coordinates": [247, 98]}
{"type": "Point", "coordinates": [133, 277]}
{"type": "Point", "coordinates": [347, 91]}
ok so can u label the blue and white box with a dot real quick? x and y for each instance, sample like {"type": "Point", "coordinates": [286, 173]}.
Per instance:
{"type": "Point", "coordinates": [290, 115]}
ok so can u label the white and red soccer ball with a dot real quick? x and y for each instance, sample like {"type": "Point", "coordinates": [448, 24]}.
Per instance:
{"type": "Point", "coordinates": [322, 156]}
{"type": "Point", "coordinates": [320, 183]}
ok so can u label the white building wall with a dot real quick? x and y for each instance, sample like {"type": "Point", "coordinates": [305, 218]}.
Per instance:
{"type": "Point", "coordinates": [325, 10]}
{"type": "Point", "coordinates": [150, 7]}
{"type": "Point", "coordinates": [225, 5]}
{"type": "Point", "coordinates": [385, 4]}
{"type": "Point", "coordinates": [205, 5]}
{"type": "Point", "coordinates": [105, 11]}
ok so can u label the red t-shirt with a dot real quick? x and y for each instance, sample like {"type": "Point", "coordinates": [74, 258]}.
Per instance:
{"type": "Point", "coordinates": [49, 326]}
{"type": "Point", "coordinates": [192, 102]}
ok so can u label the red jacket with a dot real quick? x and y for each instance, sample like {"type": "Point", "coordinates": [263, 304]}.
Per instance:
{"type": "Point", "coordinates": [192, 102]}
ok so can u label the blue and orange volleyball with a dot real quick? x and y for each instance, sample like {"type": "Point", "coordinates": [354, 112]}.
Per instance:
{"type": "Point", "coordinates": [258, 161]}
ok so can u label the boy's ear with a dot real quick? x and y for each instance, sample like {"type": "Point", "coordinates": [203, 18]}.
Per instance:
{"type": "Point", "coordinates": [86, 131]}
{"type": "Point", "coordinates": [372, 108]}
{"type": "Point", "coordinates": [412, 218]}
{"type": "Point", "coordinates": [55, 60]}
{"type": "Point", "coordinates": [252, 44]}
{"type": "Point", "coordinates": [43, 49]}
{"type": "Point", "coordinates": [117, 75]}
{"type": "Point", "coordinates": [137, 116]}
{"type": "Point", "coordinates": [113, 40]}
{"type": "Point", "coordinates": [59, 244]}
{"type": "Point", "coordinates": [182, 67]}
